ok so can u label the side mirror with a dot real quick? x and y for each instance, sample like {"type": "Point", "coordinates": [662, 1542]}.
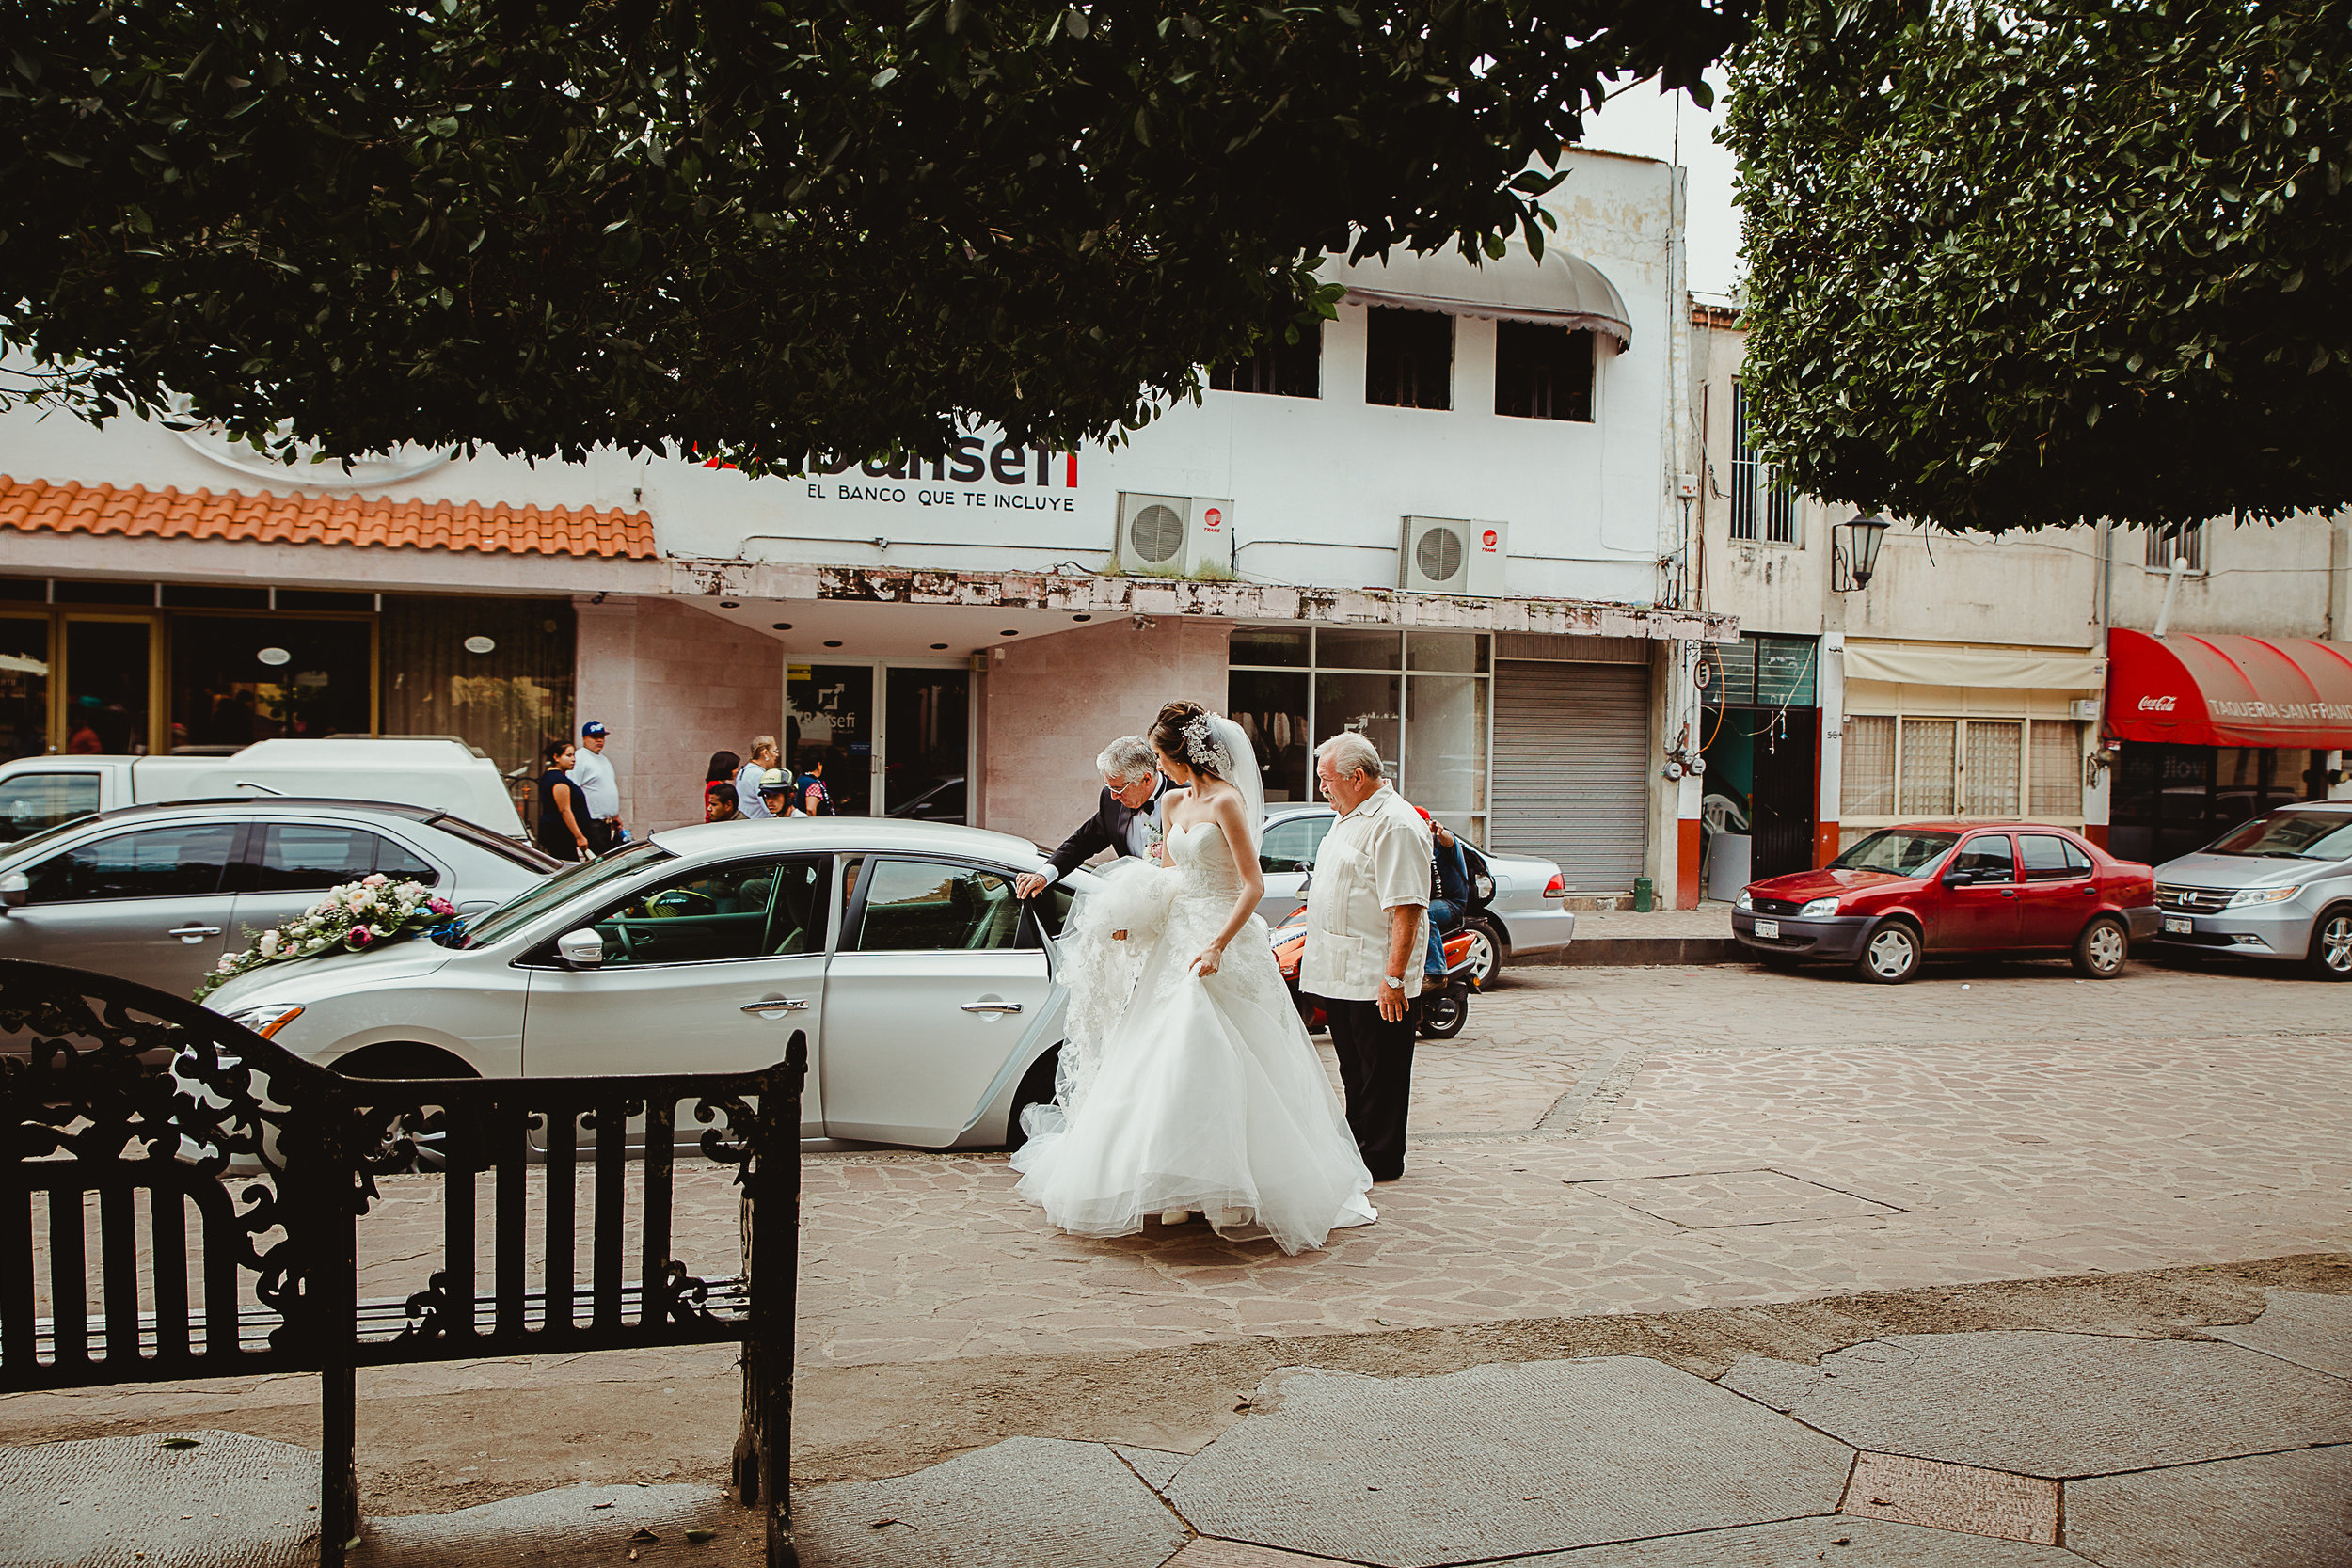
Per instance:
{"type": "Point", "coordinates": [1960, 876]}
{"type": "Point", "coordinates": [581, 949]}
{"type": "Point", "coordinates": [16, 890]}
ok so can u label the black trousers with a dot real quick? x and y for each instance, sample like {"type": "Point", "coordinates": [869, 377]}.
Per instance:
{"type": "Point", "coordinates": [1377, 1069]}
{"type": "Point", "coordinates": [599, 834]}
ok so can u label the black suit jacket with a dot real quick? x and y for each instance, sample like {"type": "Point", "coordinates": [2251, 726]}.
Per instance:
{"type": "Point", "coordinates": [1105, 829]}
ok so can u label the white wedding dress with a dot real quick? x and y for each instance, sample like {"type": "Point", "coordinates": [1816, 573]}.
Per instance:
{"type": "Point", "coordinates": [1182, 1092]}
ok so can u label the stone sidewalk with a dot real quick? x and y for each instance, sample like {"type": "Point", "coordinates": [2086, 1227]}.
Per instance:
{"type": "Point", "coordinates": [1696, 1169]}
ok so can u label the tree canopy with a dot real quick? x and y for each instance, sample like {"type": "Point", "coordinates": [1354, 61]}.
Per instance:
{"type": "Point", "coordinates": [2040, 261]}
{"type": "Point", "coordinates": [760, 230]}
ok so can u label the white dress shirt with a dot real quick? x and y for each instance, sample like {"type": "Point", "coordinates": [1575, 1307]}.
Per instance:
{"type": "Point", "coordinates": [747, 798]}
{"type": "Point", "coordinates": [1374, 859]}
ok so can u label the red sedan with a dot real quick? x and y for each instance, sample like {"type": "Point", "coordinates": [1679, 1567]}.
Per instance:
{"type": "Point", "coordinates": [1942, 888]}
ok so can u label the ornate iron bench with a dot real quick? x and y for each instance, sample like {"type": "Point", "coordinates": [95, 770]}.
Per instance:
{"type": "Point", "coordinates": [117, 1098]}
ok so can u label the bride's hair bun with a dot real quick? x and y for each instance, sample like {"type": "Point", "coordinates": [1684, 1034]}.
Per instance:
{"type": "Point", "coordinates": [1181, 730]}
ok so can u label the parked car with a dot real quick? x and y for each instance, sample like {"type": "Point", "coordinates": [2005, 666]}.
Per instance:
{"type": "Point", "coordinates": [1522, 912]}
{"type": "Point", "coordinates": [439, 772]}
{"type": "Point", "coordinates": [926, 987]}
{"type": "Point", "coordinates": [2279, 887]}
{"type": "Point", "coordinates": [1935, 889]}
{"type": "Point", "coordinates": [158, 893]}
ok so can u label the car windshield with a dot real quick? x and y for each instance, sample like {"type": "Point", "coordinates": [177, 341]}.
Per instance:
{"type": "Point", "coordinates": [1903, 851]}
{"type": "Point", "coordinates": [2303, 835]}
{"type": "Point", "coordinates": [520, 910]}
{"type": "Point", "coordinates": [528, 856]}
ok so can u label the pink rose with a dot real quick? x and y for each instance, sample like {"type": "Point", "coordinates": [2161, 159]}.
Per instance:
{"type": "Point", "coordinates": [361, 935]}
{"type": "Point", "coordinates": [442, 905]}
{"type": "Point", "coordinates": [375, 880]}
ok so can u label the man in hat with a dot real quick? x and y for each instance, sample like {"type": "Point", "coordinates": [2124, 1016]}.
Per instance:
{"type": "Point", "coordinates": [599, 788]}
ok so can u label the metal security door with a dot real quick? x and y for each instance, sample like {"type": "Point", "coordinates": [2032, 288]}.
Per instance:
{"type": "Point", "coordinates": [1570, 750]}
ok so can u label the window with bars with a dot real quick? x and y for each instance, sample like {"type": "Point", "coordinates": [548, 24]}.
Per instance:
{"type": "Point", "coordinates": [2055, 785]}
{"type": "Point", "coordinates": [1867, 786]}
{"type": "Point", "coordinates": [1929, 751]}
{"type": "Point", "coordinates": [1283, 369]}
{"type": "Point", "coordinates": [1993, 777]}
{"type": "Point", "coordinates": [1983, 767]}
{"type": "Point", "coordinates": [1762, 669]}
{"type": "Point", "coordinates": [1761, 506]}
{"type": "Point", "coordinates": [2188, 541]}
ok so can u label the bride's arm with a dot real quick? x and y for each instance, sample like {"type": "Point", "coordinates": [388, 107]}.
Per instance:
{"type": "Point", "coordinates": [1228, 815]}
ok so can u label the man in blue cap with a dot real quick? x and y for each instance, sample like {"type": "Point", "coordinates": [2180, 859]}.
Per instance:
{"type": "Point", "coordinates": [599, 789]}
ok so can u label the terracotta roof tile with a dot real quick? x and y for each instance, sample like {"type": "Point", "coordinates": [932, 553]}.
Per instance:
{"type": "Point", "coordinates": [171, 514]}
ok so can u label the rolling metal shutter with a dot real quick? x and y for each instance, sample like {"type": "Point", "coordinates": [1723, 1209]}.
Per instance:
{"type": "Point", "coordinates": [1572, 769]}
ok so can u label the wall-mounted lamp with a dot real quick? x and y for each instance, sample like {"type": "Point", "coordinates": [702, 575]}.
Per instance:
{"type": "Point", "coordinates": [1854, 549]}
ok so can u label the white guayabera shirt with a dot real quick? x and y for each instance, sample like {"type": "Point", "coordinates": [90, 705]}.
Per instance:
{"type": "Point", "coordinates": [1375, 858]}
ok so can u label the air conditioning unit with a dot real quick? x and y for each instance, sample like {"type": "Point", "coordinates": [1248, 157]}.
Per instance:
{"type": "Point", "coordinates": [1454, 555]}
{"type": "Point", "coordinates": [1173, 536]}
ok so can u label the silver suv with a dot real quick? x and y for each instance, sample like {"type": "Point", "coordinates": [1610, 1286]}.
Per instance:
{"type": "Point", "coordinates": [2277, 887]}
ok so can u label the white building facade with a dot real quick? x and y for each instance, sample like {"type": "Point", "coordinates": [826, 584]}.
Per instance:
{"type": "Point", "coordinates": [1450, 521]}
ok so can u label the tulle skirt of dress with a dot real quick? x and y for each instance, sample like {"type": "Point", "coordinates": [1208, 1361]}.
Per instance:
{"type": "Point", "coordinates": [1203, 1094]}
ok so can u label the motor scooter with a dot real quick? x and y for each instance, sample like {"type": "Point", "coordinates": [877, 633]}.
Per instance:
{"type": "Point", "coordinates": [1444, 1003]}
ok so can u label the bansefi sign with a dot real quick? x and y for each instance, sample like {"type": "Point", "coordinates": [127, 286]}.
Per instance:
{"type": "Point", "coordinates": [975, 472]}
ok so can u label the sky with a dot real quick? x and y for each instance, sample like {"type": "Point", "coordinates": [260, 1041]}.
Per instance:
{"type": "Point", "coordinates": [1641, 120]}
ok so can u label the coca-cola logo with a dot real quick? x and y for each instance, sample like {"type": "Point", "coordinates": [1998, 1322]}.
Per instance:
{"type": "Point", "coordinates": [2158, 704]}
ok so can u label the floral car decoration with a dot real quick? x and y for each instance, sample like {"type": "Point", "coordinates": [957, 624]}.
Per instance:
{"type": "Point", "coordinates": [364, 913]}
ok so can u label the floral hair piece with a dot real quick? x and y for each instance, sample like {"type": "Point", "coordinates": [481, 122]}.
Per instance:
{"type": "Point", "coordinates": [1202, 747]}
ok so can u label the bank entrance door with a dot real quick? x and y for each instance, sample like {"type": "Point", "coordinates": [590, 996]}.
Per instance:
{"type": "Point", "coordinates": [890, 738]}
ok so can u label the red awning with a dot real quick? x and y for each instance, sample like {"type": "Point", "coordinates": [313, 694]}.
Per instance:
{"type": "Point", "coordinates": [2294, 692]}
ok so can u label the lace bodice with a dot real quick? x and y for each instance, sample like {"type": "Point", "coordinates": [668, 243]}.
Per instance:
{"type": "Point", "coordinates": [1204, 867]}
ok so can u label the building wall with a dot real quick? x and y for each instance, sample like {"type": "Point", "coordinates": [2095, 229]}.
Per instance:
{"type": "Point", "coordinates": [673, 684]}
{"type": "Point", "coordinates": [2260, 580]}
{"type": "Point", "coordinates": [1053, 704]}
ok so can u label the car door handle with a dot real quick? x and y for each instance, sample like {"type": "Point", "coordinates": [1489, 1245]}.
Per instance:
{"type": "Point", "coordinates": [776, 1005]}
{"type": "Point", "coordinates": [992, 1006]}
{"type": "Point", "coordinates": [190, 933]}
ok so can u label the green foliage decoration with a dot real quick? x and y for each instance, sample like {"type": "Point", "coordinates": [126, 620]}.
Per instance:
{"type": "Point", "coordinates": [754, 229]}
{"type": "Point", "coordinates": [2028, 263]}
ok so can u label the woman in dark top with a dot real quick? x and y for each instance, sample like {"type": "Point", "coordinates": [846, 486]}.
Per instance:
{"type": "Point", "coordinates": [561, 809]}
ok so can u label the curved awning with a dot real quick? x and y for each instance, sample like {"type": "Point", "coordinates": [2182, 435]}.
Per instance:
{"type": "Point", "coordinates": [1560, 289]}
{"type": "Point", "coordinates": [2230, 690]}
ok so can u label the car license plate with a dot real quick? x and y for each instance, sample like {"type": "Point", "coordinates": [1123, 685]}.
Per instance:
{"type": "Point", "coordinates": [2178, 926]}
{"type": "Point", "coordinates": [1768, 929]}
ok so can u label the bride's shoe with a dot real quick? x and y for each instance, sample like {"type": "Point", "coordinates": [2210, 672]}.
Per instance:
{"type": "Point", "coordinates": [1227, 1219]}
{"type": "Point", "coordinates": [1175, 1216]}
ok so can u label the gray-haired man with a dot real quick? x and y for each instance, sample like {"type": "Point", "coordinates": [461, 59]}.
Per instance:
{"type": "Point", "coordinates": [1125, 818]}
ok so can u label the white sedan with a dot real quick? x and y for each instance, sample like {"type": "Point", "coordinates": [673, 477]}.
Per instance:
{"type": "Point", "coordinates": [926, 988]}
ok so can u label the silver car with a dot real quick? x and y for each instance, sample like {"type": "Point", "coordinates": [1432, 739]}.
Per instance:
{"type": "Point", "coordinates": [924, 984]}
{"type": "Point", "coordinates": [158, 893]}
{"type": "Point", "coordinates": [1522, 910]}
{"type": "Point", "coordinates": [2277, 887]}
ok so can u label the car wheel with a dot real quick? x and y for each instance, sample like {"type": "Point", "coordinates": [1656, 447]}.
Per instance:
{"type": "Point", "coordinates": [1486, 953]}
{"type": "Point", "coordinates": [1444, 1011]}
{"type": "Point", "coordinates": [1036, 1089]}
{"type": "Point", "coordinates": [2100, 951]}
{"type": "Point", "coordinates": [1891, 956]}
{"type": "Point", "coordinates": [2331, 946]}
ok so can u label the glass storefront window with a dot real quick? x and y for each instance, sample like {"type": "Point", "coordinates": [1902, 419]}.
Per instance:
{"type": "Point", "coordinates": [926, 742]}
{"type": "Point", "coordinates": [1370, 704]}
{"type": "Point", "coordinates": [1447, 744]}
{"type": "Point", "coordinates": [1270, 706]}
{"type": "Point", "coordinates": [509, 698]}
{"type": "Point", "coordinates": [107, 667]}
{"type": "Point", "coordinates": [1359, 650]}
{"type": "Point", "coordinates": [829, 722]}
{"type": "Point", "coordinates": [1430, 725]}
{"type": "Point", "coordinates": [1463, 651]}
{"type": "Point", "coordinates": [1271, 645]}
{"type": "Point", "coordinates": [236, 679]}
{"type": "Point", "coordinates": [23, 686]}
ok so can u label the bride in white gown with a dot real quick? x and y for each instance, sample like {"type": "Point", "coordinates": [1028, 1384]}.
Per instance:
{"type": "Point", "coordinates": [1187, 1084]}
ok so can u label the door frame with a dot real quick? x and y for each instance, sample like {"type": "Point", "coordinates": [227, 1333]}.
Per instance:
{"type": "Point", "coordinates": [877, 695]}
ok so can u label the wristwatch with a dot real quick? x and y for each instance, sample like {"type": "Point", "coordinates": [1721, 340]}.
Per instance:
{"type": "Point", "coordinates": [1396, 980]}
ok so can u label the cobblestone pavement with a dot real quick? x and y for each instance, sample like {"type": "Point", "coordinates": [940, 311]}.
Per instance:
{"type": "Point", "coordinates": [1652, 1139]}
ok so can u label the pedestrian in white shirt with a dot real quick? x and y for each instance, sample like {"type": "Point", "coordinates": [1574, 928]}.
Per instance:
{"type": "Point", "coordinates": [599, 788]}
{"type": "Point", "coordinates": [747, 781]}
{"type": "Point", "coordinates": [1367, 929]}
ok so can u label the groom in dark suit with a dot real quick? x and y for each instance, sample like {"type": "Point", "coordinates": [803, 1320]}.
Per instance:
{"type": "Point", "coordinates": [1125, 818]}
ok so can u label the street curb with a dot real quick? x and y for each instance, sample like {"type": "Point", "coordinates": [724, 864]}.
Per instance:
{"type": "Point", "coordinates": [1622, 951]}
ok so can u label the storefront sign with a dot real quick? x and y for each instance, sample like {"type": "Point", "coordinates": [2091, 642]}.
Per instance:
{"type": "Point", "coordinates": [972, 472]}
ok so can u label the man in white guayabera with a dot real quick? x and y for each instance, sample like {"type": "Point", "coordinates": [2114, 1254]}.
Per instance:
{"type": "Point", "coordinates": [1127, 818]}
{"type": "Point", "coordinates": [1367, 929]}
